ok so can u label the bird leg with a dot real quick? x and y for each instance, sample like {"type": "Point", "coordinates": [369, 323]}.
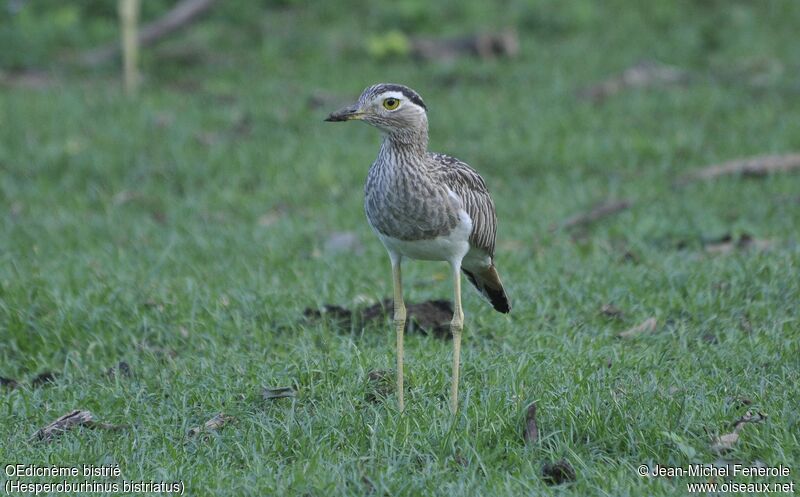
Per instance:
{"type": "Point", "coordinates": [399, 325]}
{"type": "Point", "coordinates": [456, 326]}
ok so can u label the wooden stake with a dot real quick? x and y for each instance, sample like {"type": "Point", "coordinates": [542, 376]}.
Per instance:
{"type": "Point", "coordinates": [129, 22]}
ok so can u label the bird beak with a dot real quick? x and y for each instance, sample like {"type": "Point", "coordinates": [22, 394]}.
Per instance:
{"type": "Point", "coordinates": [346, 114]}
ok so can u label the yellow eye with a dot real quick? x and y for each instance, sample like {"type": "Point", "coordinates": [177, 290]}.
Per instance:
{"type": "Point", "coordinates": [391, 103]}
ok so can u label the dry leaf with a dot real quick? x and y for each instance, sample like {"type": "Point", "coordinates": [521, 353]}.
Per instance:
{"type": "Point", "coordinates": [278, 393]}
{"type": "Point", "coordinates": [343, 242]}
{"type": "Point", "coordinates": [431, 317]}
{"type": "Point", "coordinates": [558, 472]}
{"type": "Point", "coordinates": [268, 218]}
{"type": "Point", "coordinates": [647, 326]}
{"type": "Point", "coordinates": [17, 208]}
{"type": "Point", "coordinates": [611, 311]}
{"type": "Point", "coordinates": [213, 424]}
{"type": "Point", "coordinates": [335, 314]}
{"type": "Point", "coordinates": [749, 417]}
{"type": "Point", "coordinates": [531, 431]}
{"type": "Point", "coordinates": [428, 317]}
{"type": "Point", "coordinates": [124, 196]}
{"type": "Point", "coordinates": [153, 304]}
{"type": "Point", "coordinates": [163, 119]}
{"type": "Point", "coordinates": [65, 422]}
{"type": "Point", "coordinates": [120, 370]}
{"type": "Point", "coordinates": [747, 167]}
{"type": "Point", "coordinates": [726, 244]}
{"type": "Point", "coordinates": [725, 443]}
{"type": "Point", "coordinates": [71, 420]}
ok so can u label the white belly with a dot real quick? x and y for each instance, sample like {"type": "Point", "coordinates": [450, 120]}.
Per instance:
{"type": "Point", "coordinates": [451, 247]}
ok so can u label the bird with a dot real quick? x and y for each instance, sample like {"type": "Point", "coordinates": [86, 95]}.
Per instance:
{"type": "Point", "coordinates": [425, 206]}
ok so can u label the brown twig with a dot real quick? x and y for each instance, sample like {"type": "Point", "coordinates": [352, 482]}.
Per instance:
{"type": "Point", "coordinates": [183, 14]}
{"type": "Point", "coordinates": [599, 211]}
{"type": "Point", "coordinates": [752, 167]}
{"type": "Point", "coordinates": [31, 79]}
{"type": "Point", "coordinates": [531, 431]}
{"type": "Point", "coordinates": [645, 74]}
{"type": "Point", "coordinates": [484, 46]}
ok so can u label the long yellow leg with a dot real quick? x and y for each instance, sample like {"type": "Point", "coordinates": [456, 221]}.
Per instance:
{"type": "Point", "coordinates": [456, 326]}
{"type": "Point", "coordinates": [399, 325]}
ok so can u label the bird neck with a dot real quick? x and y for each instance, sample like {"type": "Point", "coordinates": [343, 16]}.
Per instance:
{"type": "Point", "coordinates": [408, 141]}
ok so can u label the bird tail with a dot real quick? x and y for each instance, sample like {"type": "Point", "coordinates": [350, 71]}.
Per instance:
{"type": "Point", "coordinates": [487, 281]}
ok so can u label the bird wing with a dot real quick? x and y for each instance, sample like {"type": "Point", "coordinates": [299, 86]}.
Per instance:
{"type": "Point", "coordinates": [470, 188]}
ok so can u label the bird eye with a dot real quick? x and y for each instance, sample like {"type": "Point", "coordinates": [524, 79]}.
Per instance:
{"type": "Point", "coordinates": [391, 103]}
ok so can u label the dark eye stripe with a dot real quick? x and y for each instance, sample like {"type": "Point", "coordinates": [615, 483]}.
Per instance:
{"type": "Point", "coordinates": [408, 92]}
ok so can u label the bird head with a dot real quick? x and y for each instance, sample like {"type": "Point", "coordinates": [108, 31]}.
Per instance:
{"type": "Point", "coordinates": [395, 109]}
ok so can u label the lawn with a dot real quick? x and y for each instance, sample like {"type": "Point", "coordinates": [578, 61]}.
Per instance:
{"type": "Point", "coordinates": [185, 231]}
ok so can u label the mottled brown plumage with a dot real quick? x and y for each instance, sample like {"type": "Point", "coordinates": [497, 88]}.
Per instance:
{"type": "Point", "coordinates": [470, 187]}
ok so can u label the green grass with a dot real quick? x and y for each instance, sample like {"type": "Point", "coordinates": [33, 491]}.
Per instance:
{"type": "Point", "coordinates": [124, 235]}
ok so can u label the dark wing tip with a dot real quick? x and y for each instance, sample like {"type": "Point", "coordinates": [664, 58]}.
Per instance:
{"type": "Point", "coordinates": [499, 300]}
{"type": "Point", "coordinates": [493, 291]}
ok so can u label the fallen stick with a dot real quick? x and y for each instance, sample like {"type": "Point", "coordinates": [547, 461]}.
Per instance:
{"type": "Point", "coordinates": [484, 46]}
{"type": "Point", "coordinates": [183, 14]}
{"type": "Point", "coordinates": [129, 24]}
{"type": "Point", "coordinates": [32, 79]}
{"type": "Point", "coordinates": [645, 74]}
{"type": "Point", "coordinates": [531, 431]}
{"type": "Point", "coordinates": [752, 167]}
{"type": "Point", "coordinates": [599, 211]}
